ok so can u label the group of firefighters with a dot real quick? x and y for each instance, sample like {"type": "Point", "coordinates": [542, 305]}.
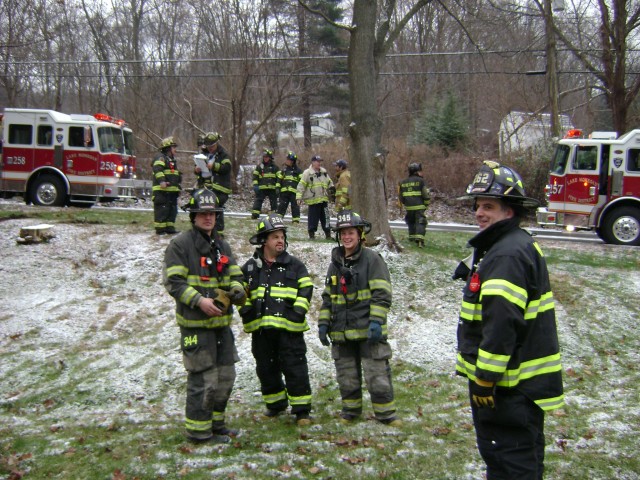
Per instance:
{"type": "Point", "coordinates": [507, 338]}
{"type": "Point", "coordinates": [283, 187]}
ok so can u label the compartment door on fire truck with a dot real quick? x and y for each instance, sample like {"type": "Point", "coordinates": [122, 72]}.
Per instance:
{"type": "Point", "coordinates": [582, 179]}
{"type": "Point", "coordinates": [17, 154]}
{"type": "Point", "coordinates": [81, 160]}
{"type": "Point", "coordinates": [631, 177]}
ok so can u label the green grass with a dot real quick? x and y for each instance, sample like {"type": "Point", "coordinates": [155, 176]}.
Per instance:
{"type": "Point", "coordinates": [594, 436]}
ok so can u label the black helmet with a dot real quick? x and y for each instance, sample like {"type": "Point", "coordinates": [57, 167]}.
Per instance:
{"type": "Point", "coordinates": [292, 156]}
{"type": "Point", "coordinates": [347, 219]}
{"type": "Point", "coordinates": [494, 180]}
{"type": "Point", "coordinates": [341, 163]}
{"type": "Point", "coordinates": [267, 152]}
{"type": "Point", "coordinates": [203, 200]}
{"type": "Point", "coordinates": [270, 223]}
{"type": "Point", "coordinates": [316, 158]}
{"type": "Point", "coordinates": [415, 168]}
{"type": "Point", "coordinates": [211, 138]}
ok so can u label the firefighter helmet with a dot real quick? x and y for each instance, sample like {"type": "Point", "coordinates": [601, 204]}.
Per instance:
{"type": "Point", "coordinates": [167, 142]}
{"type": "Point", "coordinates": [267, 152]}
{"type": "Point", "coordinates": [348, 219]}
{"type": "Point", "coordinates": [270, 223]}
{"type": "Point", "coordinates": [341, 163]}
{"type": "Point", "coordinates": [415, 168]}
{"type": "Point", "coordinates": [203, 200]}
{"type": "Point", "coordinates": [316, 158]}
{"type": "Point", "coordinates": [292, 156]}
{"type": "Point", "coordinates": [495, 180]}
{"type": "Point", "coordinates": [211, 138]}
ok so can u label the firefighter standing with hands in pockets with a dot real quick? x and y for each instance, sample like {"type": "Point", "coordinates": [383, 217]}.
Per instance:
{"type": "Point", "coordinates": [507, 337]}
{"type": "Point", "coordinates": [204, 279]}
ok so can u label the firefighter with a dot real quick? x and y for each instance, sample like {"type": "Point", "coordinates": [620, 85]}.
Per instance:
{"type": "Point", "coordinates": [264, 183]}
{"type": "Point", "coordinates": [204, 279]}
{"type": "Point", "coordinates": [343, 186]}
{"type": "Point", "coordinates": [415, 197]}
{"type": "Point", "coordinates": [166, 188]}
{"type": "Point", "coordinates": [288, 179]}
{"type": "Point", "coordinates": [353, 315]}
{"type": "Point", "coordinates": [280, 292]}
{"type": "Point", "coordinates": [219, 164]}
{"type": "Point", "coordinates": [507, 337]}
{"type": "Point", "coordinates": [313, 190]}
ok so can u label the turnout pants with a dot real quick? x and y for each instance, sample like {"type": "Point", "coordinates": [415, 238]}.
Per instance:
{"type": "Point", "coordinates": [222, 199]}
{"type": "Point", "coordinates": [281, 353]}
{"type": "Point", "coordinates": [165, 210]}
{"type": "Point", "coordinates": [510, 437]}
{"type": "Point", "coordinates": [354, 358]}
{"type": "Point", "coordinates": [285, 199]}
{"type": "Point", "coordinates": [417, 223]}
{"type": "Point", "coordinates": [319, 213]}
{"type": "Point", "coordinates": [209, 356]}
{"type": "Point", "coordinates": [260, 196]}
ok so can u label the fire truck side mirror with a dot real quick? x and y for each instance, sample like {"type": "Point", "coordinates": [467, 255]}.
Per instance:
{"type": "Point", "coordinates": [88, 138]}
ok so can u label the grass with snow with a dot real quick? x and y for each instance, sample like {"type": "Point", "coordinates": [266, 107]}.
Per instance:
{"type": "Point", "coordinates": [92, 385]}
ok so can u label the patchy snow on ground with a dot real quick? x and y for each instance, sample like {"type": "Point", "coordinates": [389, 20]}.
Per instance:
{"type": "Point", "coordinates": [88, 310]}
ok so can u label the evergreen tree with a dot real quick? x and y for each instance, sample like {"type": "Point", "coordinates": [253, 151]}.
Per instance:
{"type": "Point", "coordinates": [444, 125]}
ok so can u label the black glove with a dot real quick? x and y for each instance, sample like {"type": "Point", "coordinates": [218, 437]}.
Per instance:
{"type": "Point", "coordinates": [375, 332]}
{"type": "Point", "coordinates": [483, 396]}
{"type": "Point", "coordinates": [322, 334]}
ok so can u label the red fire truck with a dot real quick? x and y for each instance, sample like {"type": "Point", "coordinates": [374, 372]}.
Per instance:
{"type": "Point", "coordinates": [56, 159]}
{"type": "Point", "coordinates": [594, 184]}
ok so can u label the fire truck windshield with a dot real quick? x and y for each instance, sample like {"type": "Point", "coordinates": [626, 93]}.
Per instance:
{"type": "Point", "coordinates": [559, 162]}
{"type": "Point", "coordinates": [129, 145]}
{"type": "Point", "coordinates": [110, 139]}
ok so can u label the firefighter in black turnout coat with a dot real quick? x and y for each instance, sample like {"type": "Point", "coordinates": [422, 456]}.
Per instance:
{"type": "Point", "coordinates": [507, 338]}
{"type": "Point", "coordinates": [280, 290]}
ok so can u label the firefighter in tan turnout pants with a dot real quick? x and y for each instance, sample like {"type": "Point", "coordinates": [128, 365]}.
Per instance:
{"type": "Point", "coordinates": [355, 303]}
{"type": "Point", "coordinates": [203, 278]}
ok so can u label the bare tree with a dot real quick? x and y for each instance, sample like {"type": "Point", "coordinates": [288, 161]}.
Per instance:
{"type": "Point", "coordinates": [372, 33]}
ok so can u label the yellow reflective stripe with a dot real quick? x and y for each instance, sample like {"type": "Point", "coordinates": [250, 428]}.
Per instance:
{"type": "Point", "coordinates": [492, 362]}
{"type": "Point", "coordinates": [188, 295]}
{"type": "Point", "coordinates": [384, 407]}
{"type": "Point", "coordinates": [510, 291]}
{"type": "Point", "coordinates": [414, 207]}
{"type": "Point", "coordinates": [302, 303]}
{"type": "Point", "coordinates": [325, 314]}
{"type": "Point", "coordinates": [471, 311]}
{"type": "Point", "coordinates": [235, 271]}
{"type": "Point", "coordinates": [197, 425]}
{"type": "Point", "coordinates": [217, 416]}
{"type": "Point", "coordinates": [379, 283]}
{"type": "Point", "coordinates": [213, 322]}
{"type": "Point", "coordinates": [275, 322]}
{"type": "Point", "coordinates": [275, 397]}
{"type": "Point", "coordinates": [283, 292]}
{"type": "Point", "coordinates": [209, 282]}
{"type": "Point", "coordinates": [304, 282]}
{"type": "Point", "coordinates": [301, 400]}
{"type": "Point", "coordinates": [378, 311]}
{"type": "Point", "coordinates": [177, 270]}
{"type": "Point", "coordinates": [547, 404]}
{"type": "Point", "coordinates": [537, 247]}
{"type": "Point", "coordinates": [536, 307]}
{"type": "Point", "coordinates": [352, 403]}
{"type": "Point", "coordinates": [412, 194]}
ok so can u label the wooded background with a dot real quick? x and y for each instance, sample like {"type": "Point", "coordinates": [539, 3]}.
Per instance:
{"type": "Point", "coordinates": [452, 71]}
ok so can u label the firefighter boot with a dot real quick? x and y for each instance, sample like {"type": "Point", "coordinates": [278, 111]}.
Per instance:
{"type": "Point", "coordinates": [312, 234]}
{"type": "Point", "coordinates": [420, 243]}
{"type": "Point", "coordinates": [327, 234]}
{"type": "Point", "coordinates": [219, 428]}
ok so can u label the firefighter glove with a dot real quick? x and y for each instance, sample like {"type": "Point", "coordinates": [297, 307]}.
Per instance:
{"type": "Point", "coordinates": [221, 300]}
{"type": "Point", "coordinates": [238, 295]}
{"type": "Point", "coordinates": [322, 333]}
{"type": "Point", "coordinates": [375, 332]}
{"type": "Point", "coordinates": [483, 393]}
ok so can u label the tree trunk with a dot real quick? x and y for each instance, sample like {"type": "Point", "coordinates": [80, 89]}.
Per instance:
{"type": "Point", "coordinates": [368, 192]}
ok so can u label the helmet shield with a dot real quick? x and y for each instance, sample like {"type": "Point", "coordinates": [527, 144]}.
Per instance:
{"type": "Point", "coordinates": [203, 200]}
{"type": "Point", "coordinates": [167, 142]}
{"type": "Point", "coordinates": [211, 138]}
{"type": "Point", "coordinates": [270, 223]}
{"type": "Point", "coordinates": [348, 219]}
{"type": "Point", "coordinates": [494, 180]}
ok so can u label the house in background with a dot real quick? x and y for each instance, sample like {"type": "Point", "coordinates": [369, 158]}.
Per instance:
{"type": "Point", "coordinates": [291, 128]}
{"type": "Point", "coordinates": [521, 131]}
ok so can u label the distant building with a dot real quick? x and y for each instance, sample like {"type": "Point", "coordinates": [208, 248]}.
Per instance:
{"type": "Point", "coordinates": [521, 131]}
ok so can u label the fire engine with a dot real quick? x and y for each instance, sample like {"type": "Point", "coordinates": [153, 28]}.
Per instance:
{"type": "Point", "coordinates": [56, 159]}
{"type": "Point", "coordinates": [594, 184]}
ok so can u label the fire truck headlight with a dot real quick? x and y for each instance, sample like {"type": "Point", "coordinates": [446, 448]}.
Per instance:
{"type": "Point", "coordinates": [570, 228]}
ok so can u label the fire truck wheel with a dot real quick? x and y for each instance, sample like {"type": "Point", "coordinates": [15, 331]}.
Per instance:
{"type": "Point", "coordinates": [622, 226]}
{"type": "Point", "coordinates": [49, 191]}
